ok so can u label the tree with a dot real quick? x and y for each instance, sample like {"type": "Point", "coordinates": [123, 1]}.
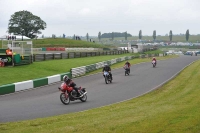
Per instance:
{"type": "Point", "coordinates": [74, 37]}
{"type": "Point", "coordinates": [140, 34]}
{"type": "Point", "coordinates": [187, 35]}
{"type": "Point", "coordinates": [125, 34]}
{"type": "Point", "coordinates": [154, 35]}
{"type": "Point", "coordinates": [170, 35]}
{"type": "Point", "coordinates": [87, 36]}
{"type": "Point", "coordinates": [99, 36]}
{"type": "Point", "coordinates": [112, 36]}
{"type": "Point", "coordinates": [25, 23]}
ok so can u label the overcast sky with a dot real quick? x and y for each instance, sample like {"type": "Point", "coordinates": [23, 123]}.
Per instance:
{"type": "Point", "coordinates": [79, 17]}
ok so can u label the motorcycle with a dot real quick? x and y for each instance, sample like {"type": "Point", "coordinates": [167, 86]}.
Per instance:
{"type": "Point", "coordinates": [107, 77]}
{"type": "Point", "coordinates": [127, 70]}
{"type": "Point", "coordinates": [69, 94]}
{"type": "Point", "coordinates": [154, 63]}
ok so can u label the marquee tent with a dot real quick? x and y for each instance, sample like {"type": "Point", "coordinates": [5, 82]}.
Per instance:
{"type": "Point", "coordinates": [18, 37]}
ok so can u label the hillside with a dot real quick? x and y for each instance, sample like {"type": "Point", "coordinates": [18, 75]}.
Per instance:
{"type": "Point", "coordinates": [61, 42]}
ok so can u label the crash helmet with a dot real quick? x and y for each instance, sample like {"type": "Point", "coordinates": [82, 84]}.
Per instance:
{"type": "Point", "coordinates": [105, 65]}
{"type": "Point", "coordinates": [65, 78]}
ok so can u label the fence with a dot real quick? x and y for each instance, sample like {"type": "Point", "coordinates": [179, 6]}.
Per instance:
{"type": "Point", "coordinates": [50, 56]}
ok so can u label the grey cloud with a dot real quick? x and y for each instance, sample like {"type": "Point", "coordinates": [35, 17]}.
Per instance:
{"type": "Point", "coordinates": [91, 16]}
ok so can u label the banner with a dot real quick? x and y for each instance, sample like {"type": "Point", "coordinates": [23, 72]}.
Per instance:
{"type": "Point", "coordinates": [7, 59]}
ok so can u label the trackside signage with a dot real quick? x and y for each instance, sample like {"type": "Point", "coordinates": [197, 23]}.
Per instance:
{"type": "Point", "coordinates": [7, 59]}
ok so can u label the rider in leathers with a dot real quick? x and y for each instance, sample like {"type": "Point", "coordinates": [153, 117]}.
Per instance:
{"type": "Point", "coordinates": [107, 69]}
{"type": "Point", "coordinates": [154, 59]}
{"type": "Point", "coordinates": [70, 83]}
{"type": "Point", "coordinates": [127, 65]}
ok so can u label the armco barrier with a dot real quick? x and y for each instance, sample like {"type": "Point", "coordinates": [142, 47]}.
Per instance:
{"type": "Point", "coordinates": [19, 86]}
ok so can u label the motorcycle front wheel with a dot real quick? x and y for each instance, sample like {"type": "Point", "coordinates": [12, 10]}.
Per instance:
{"type": "Point", "coordinates": [106, 79]}
{"type": "Point", "coordinates": [64, 99]}
{"type": "Point", "coordinates": [84, 98]}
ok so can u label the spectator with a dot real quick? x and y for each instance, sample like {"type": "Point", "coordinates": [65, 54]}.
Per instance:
{"type": "Point", "coordinates": [8, 51]}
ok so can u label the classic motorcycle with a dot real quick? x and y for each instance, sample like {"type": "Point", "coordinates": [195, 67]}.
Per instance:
{"type": "Point", "coordinates": [107, 77]}
{"type": "Point", "coordinates": [127, 70]}
{"type": "Point", "coordinates": [69, 94]}
{"type": "Point", "coordinates": [154, 63]}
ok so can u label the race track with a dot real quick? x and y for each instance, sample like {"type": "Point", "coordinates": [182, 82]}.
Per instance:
{"type": "Point", "coordinates": [45, 101]}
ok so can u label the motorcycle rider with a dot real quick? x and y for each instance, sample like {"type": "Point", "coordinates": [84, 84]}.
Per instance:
{"type": "Point", "coordinates": [154, 59]}
{"type": "Point", "coordinates": [107, 69]}
{"type": "Point", "coordinates": [127, 65]}
{"type": "Point", "coordinates": [70, 83]}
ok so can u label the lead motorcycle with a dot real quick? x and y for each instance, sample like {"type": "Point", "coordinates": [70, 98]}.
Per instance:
{"type": "Point", "coordinates": [107, 77]}
{"type": "Point", "coordinates": [69, 94]}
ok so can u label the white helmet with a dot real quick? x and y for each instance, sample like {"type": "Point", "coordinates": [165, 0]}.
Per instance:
{"type": "Point", "coordinates": [65, 78]}
{"type": "Point", "coordinates": [105, 64]}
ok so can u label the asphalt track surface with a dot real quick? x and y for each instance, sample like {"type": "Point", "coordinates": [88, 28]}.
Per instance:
{"type": "Point", "coordinates": [44, 101]}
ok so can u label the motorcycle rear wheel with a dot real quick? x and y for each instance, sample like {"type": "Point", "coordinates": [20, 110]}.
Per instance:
{"type": "Point", "coordinates": [63, 99]}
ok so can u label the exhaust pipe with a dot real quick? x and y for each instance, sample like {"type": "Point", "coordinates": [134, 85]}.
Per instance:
{"type": "Point", "coordinates": [80, 96]}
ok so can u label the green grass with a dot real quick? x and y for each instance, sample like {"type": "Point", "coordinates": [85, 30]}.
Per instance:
{"type": "Point", "coordinates": [173, 108]}
{"type": "Point", "coordinates": [60, 42]}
